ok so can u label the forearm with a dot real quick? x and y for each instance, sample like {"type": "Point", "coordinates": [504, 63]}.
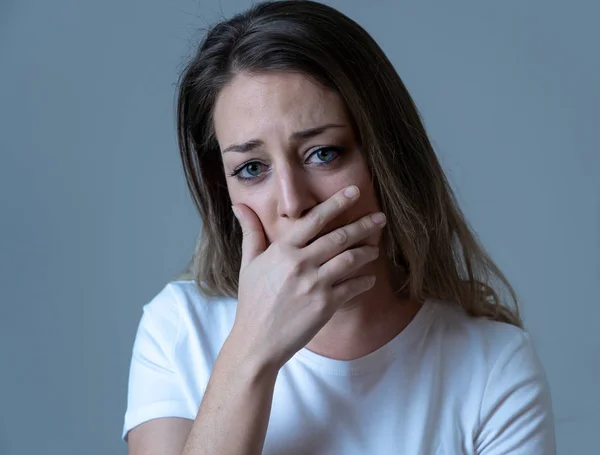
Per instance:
{"type": "Point", "coordinates": [235, 410]}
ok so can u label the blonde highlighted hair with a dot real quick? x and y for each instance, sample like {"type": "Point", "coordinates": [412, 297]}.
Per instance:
{"type": "Point", "coordinates": [431, 250]}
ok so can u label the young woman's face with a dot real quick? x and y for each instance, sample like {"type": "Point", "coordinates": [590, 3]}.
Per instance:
{"type": "Point", "coordinates": [287, 145]}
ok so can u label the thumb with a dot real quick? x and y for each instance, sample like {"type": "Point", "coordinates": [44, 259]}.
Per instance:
{"type": "Point", "coordinates": [253, 241]}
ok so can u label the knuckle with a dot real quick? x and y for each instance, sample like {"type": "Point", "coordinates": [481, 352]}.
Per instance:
{"type": "Point", "coordinates": [339, 236]}
{"type": "Point", "coordinates": [365, 224]}
{"type": "Point", "coordinates": [319, 302]}
{"type": "Point", "coordinates": [279, 249]}
{"type": "Point", "coordinates": [350, 258]}
{"type": "Point", "coordinates": [314, 217]}
{"type": "Point", "coordinates": [339, 202]}
{"type": "Point", "coordinates": [298, 267]}
{"type": "Point", "coordinates": [295, 269]}
{"type": "Point", "coordinates": [307, 287]}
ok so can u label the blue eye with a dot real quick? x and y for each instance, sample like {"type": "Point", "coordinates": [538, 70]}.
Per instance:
{"type": "Point", "coordinates": [254, 169]}
{"type": "Point", "coordinates": [325, 154]}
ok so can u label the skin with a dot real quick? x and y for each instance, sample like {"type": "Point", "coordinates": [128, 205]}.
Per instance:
{"type": "Point", "coordinates": [290, 179]}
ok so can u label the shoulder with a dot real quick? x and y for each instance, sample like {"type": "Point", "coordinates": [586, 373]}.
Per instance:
{"type": "Point", "coordinates": [178, 298]}
{"type": "Point", "coordinates": [490, 356]}
{"type": "Point", "coordinates": [479, 337]}
{"type": "Point", "coordinates": [499, 363]}
{"type": "Point", "coordinates": [179, 307]}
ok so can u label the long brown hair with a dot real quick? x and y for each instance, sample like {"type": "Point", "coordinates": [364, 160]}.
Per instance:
{"type": "Point", "coordinates": [428, 241]}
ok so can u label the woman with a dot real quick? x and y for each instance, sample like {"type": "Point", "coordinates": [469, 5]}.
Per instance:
{"type": "Point", "coordinates": [346, 308]}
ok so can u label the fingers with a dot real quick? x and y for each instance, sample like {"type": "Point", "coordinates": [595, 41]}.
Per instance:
{"type": "Point", "coordinates": [352, 287]}
{"type": "Point", "coordinates": [253, 241]}
{"type": "Point", "coordinates": [332, 244]}
{"type": "Point", "coordinates": [346, 263]}
{"type": "Point", "coordinates": [315, 220]}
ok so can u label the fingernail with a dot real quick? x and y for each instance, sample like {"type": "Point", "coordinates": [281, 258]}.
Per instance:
{"type": "Point", "coordinates": [236, 212]}
{"type": "Point", "coordinates": [378, 218]}
{"type": "Point", "coordinates": [351, 192]}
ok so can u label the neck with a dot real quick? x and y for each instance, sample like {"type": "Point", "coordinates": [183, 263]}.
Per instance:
{"type": "Point", "coordinates": [367, 322]}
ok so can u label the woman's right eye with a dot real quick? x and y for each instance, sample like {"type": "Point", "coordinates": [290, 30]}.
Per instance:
{"type": "Point", "coordinates": [248, 171]}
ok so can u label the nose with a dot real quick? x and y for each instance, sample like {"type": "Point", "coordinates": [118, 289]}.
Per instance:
{"type": "Point", "coordinates": [295, 196]}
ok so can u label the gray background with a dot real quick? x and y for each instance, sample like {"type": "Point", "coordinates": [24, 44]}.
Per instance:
{"type": "Point", "coordinates": [95, 216]}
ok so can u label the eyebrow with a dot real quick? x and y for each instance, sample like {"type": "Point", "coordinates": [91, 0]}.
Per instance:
{"type": "Point", "coordinates": [297, 136]}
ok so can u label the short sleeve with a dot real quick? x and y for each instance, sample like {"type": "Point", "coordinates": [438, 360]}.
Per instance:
{"type": "Point", "coordinates": [154, 389]}
{"type": "Point", "coordinates": [516, 413]}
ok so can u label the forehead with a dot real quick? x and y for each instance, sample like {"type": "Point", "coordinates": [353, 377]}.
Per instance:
{"type": "Point", "coordinates": [263, 103]}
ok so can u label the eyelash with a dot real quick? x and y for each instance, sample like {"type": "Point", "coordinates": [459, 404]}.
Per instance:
{"type": "Point", "coordinates": [236, 172]}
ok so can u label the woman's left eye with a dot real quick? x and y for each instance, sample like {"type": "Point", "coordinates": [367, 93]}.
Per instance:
{"type": "Point", "coordinates": [326, 154]}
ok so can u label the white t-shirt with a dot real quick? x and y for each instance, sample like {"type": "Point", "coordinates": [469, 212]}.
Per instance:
{"type": "Point", "coordinates": [447, 384]}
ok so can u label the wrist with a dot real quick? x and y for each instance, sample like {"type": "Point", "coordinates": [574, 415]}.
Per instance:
{"type": "Point", "coordinates": [246, 359]}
